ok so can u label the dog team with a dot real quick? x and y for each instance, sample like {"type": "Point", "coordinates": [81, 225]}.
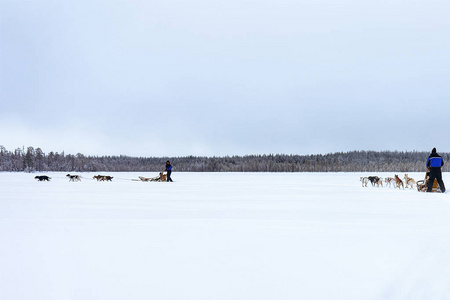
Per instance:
{"type": "Point", "coordinates": [432, 182]}
{"type": "Point", "coordinates": [163, 176]}
{"type": "Point", "coordinates": [75, 178]}
{"type": "Point", "coordinates": [397, 182]}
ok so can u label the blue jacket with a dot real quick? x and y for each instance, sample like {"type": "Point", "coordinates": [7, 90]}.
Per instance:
{"type": "Point", "coordinates": [169, 167]}
{"type": "Point", "coordinates": [435, 161]}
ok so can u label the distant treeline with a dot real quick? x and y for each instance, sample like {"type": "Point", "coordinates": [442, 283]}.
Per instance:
{"type": "Point", "coordinates": [35, 160]}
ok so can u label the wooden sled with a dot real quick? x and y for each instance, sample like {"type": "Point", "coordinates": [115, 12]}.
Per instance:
{"type": "Point", "coordinates": [422, 185]}
{"type": "Point", "coordinates": [162, 177]}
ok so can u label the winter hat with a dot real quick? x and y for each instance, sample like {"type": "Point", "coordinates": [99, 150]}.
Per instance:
{"type": "Point", "coordinates": [434, 150]}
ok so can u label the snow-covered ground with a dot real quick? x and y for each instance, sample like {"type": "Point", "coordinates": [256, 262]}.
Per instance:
{"type": "Point", "coordinates": [221, 236]}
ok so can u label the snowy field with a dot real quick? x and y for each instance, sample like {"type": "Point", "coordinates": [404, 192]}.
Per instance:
{"type": "Point", "coordinates": [221, 236]}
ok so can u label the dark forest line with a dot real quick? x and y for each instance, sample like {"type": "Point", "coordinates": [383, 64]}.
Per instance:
{"type": "Point", "coordinates": [35, 160]}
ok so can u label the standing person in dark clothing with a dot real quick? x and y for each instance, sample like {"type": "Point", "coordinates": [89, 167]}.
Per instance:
{"type": "Point", "coordinates": [169, 171]}
{"type": "Point", "coordinates": [434, 163]}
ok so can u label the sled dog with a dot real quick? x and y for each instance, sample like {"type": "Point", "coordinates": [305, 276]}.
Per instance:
{"type": "Point", "coordinates": [409, 181]}
{"type": "Point", "coordinates": [74, 177]}
{"type": "Point", "coordinates": [103, 178]}
{"type": "Point", "coordinates": [364, 181]}
{"type": "Point", "coordinates": [398, 182]}
{"type": "Point", "coordinates": [379, 182]}
{"type": "Point", "coordinates": [389, 181]}
{"type": "Point", "coordinates": [374, 180]}
{"type": "Point", "coordinates": [163, 176]}
{"type": "Point", "coordinates": [42, 178]}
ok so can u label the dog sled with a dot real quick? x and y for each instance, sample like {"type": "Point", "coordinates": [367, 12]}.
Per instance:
{"type": "Point", "coordinates": [422, 185]}
{"type": "Point", "coordinates": [161, 178]}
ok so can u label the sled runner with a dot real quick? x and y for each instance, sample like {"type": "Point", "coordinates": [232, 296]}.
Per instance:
{"type": "Point", "coordinates": [423, 184]}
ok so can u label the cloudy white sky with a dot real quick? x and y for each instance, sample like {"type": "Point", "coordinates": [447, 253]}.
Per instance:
{"type": "Point", "coordinates": [224, 77]}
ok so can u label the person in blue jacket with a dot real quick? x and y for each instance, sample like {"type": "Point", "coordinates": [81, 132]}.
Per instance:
{"type": "Point", "coordinates": [169, 171]}
{"type": "Point", "coordinates": [434, 164]}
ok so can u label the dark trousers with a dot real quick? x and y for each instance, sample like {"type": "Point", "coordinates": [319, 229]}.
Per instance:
{"type": "Point", "coordinates": [168, 176]}
{"type": "Point", "coordinates": [435, 173]}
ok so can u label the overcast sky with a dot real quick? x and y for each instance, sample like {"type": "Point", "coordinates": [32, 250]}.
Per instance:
{"type": "Point", "coordinates": [226, 77]}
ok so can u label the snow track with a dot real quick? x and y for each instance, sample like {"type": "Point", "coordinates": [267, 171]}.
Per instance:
{"type": "Point", "coordinates": [221, 236]}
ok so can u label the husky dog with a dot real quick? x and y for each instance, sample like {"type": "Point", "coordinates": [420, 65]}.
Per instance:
{"type": "Point", "coordinates": [375, 180]}
{"type": "Point", "coordinates": [74, 177]}
{"type": "Point", "coordinates": [103, 178]}
{"type": "Point", "coordinates": [409, 181]}
{"type": "Point", "coordinates": [107, 178]}
{"type": "Point", "coordinates": [163, 176]}
{"type": "Point", "coordinates": [379, 182]}
{"type": "Point", "coordinates": [98, 177]}
{"type": "Point", "coordinates": [398, 182]}
{"type": "Point", "coordinates": [364, 181]}
{"type": "Point", "coordinates": [389, 180]}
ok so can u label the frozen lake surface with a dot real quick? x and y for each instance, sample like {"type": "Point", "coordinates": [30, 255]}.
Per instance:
{"type": "Point", "coordinates": [221, 236]}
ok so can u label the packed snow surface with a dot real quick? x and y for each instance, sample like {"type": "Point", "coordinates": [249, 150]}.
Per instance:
{"type": "Point", "coordinates": [221, 236]}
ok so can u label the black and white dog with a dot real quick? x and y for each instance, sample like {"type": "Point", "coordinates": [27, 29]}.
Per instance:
{"type": "Point", "coordinates": [375, 180]}
{"type": "Point", "coordinates": [74, 177]}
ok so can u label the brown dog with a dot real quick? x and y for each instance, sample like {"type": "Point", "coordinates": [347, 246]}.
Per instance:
{"type": "Point", "coordinates": [398, 182]}
{"type": "Point", "coordinates": [162, 176]}
{"type": "Point", "coordinates": [98, 177]}
{"type": "Point", "coordinates": [103, 178]}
